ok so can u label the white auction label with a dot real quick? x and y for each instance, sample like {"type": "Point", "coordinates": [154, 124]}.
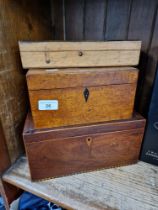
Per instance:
{"type": "Point", "coordinates": [48, 105]}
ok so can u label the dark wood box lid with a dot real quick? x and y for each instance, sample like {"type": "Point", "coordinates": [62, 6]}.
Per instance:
{"type": "Point", "coordinates": [30, 134]}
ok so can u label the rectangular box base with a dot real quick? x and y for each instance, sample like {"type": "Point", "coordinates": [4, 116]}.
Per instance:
{"type": "Point", "coordinates": [70, 150]}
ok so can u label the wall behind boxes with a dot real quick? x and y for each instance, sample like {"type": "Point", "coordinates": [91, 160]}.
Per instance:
{"type": "Point", "coordinates": [19, 20]}
{"type": "Point", "coordinates": [113, 20]}
{"type": "Point", "coordinates": [69, 20]}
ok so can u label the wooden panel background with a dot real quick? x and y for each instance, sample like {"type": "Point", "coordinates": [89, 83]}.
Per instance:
{"type": "Point", "coordinates": [19, 20]}
{"type": "Point", "coordinates": [69, 20]}
{"type": "Point", "coordinates": [113, 20]}
{"type": "Point", "coordinates": [4, 156]}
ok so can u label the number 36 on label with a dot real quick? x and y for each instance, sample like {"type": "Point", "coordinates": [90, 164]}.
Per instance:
{"type": "Point", "coordinates": [48, 105]}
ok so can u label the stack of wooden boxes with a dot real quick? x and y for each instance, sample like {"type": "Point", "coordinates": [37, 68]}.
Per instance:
{"type": "Point", "coordinates": [82, 99]}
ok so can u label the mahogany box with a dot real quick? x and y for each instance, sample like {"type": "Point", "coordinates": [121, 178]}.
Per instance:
{"type": "Point", "coordinates": [74, 96]}
{"type": "Point", "coordinates": [74, 149]}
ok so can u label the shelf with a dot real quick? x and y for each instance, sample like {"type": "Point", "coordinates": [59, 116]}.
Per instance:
{"type": "Point", "coordinates": [130, 187]}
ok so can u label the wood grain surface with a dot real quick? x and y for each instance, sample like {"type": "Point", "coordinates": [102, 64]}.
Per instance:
{"type": "Point", "coordinates": [105, 103]}
{"type": "Point", "coordinates": [116, 20]}
{"type": "Point", "coordinates": [93, 20]}
{"type": "Point", "coordinates": [74, 17]}
{"type": "Point", "coordinates": [54, 158]}
{"type": "Point", "coordinates": [111, 95]}
{"type": "Point", "coordinates": [18, 20]}
{"type": "Point", "coordinates": [136, 122]}
{"type": "Point", "coordinates": [142, 28]}
{"type": "Point", "coordinates": [79, 54]}
{"type": "Point", "coordinates": [4, 154]}
{"type": "Point", "coordinates": [64, 151]}
{"type": "Point", "coordinates": [121, 188]}
{"type": "Point", "coordinates": [79, 77]}
{"type": "Point", "coordinates": [57, 16]}
{"type": "Point", "coordinates": [9, 193]}
{"type": "Point", "coordinates": [26, 46]}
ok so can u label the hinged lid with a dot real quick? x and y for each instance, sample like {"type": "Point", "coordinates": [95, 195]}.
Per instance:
{"type": "Point", "coordinates": [85, 77]}
{"type": "Point", "coordinates": [79, 54]}
{"type": "Point", "coordinates": [137, 121]}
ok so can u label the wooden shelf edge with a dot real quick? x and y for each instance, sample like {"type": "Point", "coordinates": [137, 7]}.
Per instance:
{"type": "Point", "coordinates": [131, 187]}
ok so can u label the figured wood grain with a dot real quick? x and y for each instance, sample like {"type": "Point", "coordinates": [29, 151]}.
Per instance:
{"type": "Point", "coordinates": [105, 103]}
{"type": "Point", "coordinates": [79, 77]}
{"type": "Point", "coordinates": [83, 153]}
{"type": "Point", "coordinates": [79, 54]}
{"type": "Point", "coordinates": [83, 148]}
{"type": "Point", "coordinates": [121, 188]}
